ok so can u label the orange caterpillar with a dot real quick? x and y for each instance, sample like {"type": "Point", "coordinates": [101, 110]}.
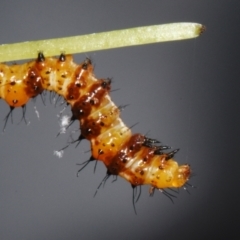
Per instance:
{"type": "Point", "coordinates": [136, 158]}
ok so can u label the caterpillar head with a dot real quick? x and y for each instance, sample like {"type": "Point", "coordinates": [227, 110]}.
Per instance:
{"type": "Point", "coordinates": [181, 175]}
{"type": "Point", "coordinates": [168, 174]}
{"type": "Point", "coordinates": [171, 175]}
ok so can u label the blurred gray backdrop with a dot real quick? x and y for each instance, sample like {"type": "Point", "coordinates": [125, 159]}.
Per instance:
{"type": "Point", "coordinates": [182, 93]}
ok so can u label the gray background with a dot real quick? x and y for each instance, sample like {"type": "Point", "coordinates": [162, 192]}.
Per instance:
{"type": "Point", "coordinates": [185, 94]}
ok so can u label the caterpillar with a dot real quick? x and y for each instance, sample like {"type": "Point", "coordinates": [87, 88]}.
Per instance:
{"type": "Point", "coordinates": [136, 158]}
